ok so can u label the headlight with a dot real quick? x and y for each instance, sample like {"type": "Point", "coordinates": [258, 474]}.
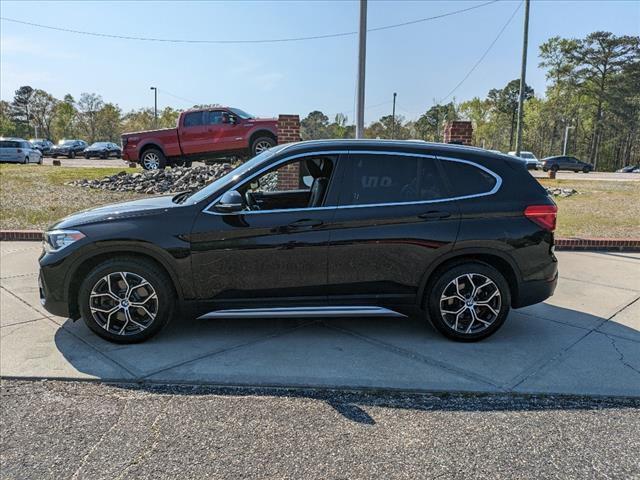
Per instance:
{"type": "Point", "coordinates": [58, 239]}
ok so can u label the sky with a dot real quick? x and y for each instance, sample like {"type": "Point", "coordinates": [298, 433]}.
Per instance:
{"type": "Point", "coordinates": [421, 62]}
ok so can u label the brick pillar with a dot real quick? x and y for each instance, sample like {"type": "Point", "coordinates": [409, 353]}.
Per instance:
{"type": "Point", "coordinates": [289, 131]}
{"type": "Point", "coordinates": [458, 131]}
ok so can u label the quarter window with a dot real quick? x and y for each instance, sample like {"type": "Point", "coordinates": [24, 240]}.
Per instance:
{"type": "Point", "coordinates": [467, 179]}
{"type": "Point", "coordinates": [372, 179]}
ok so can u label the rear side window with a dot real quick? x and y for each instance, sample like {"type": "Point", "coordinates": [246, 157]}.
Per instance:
{"type": "Point", "coordinates": [9, 144]}
{"type": "Point", "coordinates": [372, 179]}
{"type": "Point", "coordinates": [193, 119]}
{"type": "Point", "coordinates": [467, 179]}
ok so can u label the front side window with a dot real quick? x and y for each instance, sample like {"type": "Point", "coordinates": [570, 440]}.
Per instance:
{"type": "Point", "coordinates": [302, 183]}
{"type": "Point", "coordinates": [215, 117]}
{"type": "Point", "coordinates": [193, 119]}
{"type": "Point", "coordinates": [467, 179]}
{"type": "Point", "coordinates": [381, 179]}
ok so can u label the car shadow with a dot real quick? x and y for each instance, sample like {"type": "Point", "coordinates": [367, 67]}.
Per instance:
{"type": "Point", "coordinates": [340, 347]}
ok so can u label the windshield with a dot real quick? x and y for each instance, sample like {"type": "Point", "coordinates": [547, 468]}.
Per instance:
{"type": "Point", "coordinates": [241, 113]}
{"type": "Point", "coordinates": [230, 177]}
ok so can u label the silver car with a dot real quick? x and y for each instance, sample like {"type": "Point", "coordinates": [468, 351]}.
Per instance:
{"type": "Point", "coordinates": [18, 150]}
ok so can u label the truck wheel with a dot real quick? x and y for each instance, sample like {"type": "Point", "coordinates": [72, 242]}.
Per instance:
{"type": "Point", "coordinates": [261, 144]}
{"type": "Point", "coordinates": [153, 159]}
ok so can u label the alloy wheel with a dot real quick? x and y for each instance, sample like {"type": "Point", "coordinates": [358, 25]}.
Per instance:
{"type": "Point", "coordinates": [123, 303]}
{"type": "Point", "coordinates": [151, 161]}
{"type": "Point", "coordinates": [470, 303]}
{"type": "Point", "coordinates": [262, 146]}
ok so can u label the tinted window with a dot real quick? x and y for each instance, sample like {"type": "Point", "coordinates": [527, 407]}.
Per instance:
{"type": "Point", "coordinates": [193, 119]}
{"type": "Point", "coordinates": [372, 179]}
{"type": "Point", "coordinates": [215, 117]}
{"type": "Point", "coordinates": [9, 144]}
{"type": "Point", "coordinates": [467, 179]}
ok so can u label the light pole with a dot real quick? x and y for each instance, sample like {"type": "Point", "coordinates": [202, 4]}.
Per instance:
{"type": "Point", "coordinates": [523, 74]}
{"type": "Point", "coordinates": [393, 117]}
{"type": "Point", "coordinates": [362, 60]}
{"type": "Point", "coordinates": [566, 137]}
{"type": "Point", "coordinates": [155, 106]}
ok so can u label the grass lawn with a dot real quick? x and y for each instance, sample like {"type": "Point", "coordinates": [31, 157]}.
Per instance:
{"type": "Point", "coordinates": [34, 196]}
{"type": "Point", "coordinates": [602, 209]}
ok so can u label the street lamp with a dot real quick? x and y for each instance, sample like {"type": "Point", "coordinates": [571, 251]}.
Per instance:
{"type": "Point", "coordinates": [393, 117]}
{"type": "Point", "coordinates": [155, 105]}
{"type": "Point", "coordinates": [566, 137]}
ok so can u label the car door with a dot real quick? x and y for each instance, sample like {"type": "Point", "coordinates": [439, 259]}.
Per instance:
{"type": "Point", "coordinates": [194, 134]}
{"type": "Point", "coordinates": [220, 131]}
{"type": "Point", "coordinates": [277, 254]}
{"type": "Point", "coordinates": [394, 218]}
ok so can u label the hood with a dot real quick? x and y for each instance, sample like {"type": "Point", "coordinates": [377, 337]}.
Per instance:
{"type": "Point", "coordinates": [135, 208]}
{"type": "Point", "coordinates": [263, 121]}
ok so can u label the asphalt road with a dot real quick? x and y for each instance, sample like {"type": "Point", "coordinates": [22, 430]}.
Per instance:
{"type": "Point", "coordinates": [85, 430]}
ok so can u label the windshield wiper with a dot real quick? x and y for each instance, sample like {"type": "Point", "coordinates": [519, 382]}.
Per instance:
{"type": "Point", "coordinates": [180, 197]}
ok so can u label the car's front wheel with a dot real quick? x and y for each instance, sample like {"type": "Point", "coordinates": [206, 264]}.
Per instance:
{"type": "Point", "coordinates": [126, 300]}
{"type": "Point", "coordinates": [585, 170]}
{"type": "Point", "coordinates": [469, 301]}
{"type": "Point", "coordinates": [261, 144]}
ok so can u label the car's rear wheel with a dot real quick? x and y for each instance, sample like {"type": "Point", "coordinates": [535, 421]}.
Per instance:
{"type": "Point", "coordinates": [555, 168]}
{"type": "Point", "coordinates": [585, 170]}
{"type": "Point", "coordinates": [261, 144]}
{"type": "Point", "coordinates": [153, 159]}
{"type": "Point", "coordinates": [126, 300]}
{"type": "Point", "coordinates": [469, 301]}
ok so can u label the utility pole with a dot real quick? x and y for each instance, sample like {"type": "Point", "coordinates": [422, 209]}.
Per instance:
{"type": "Point", "coordinates": [523, 74]}
{"type": "Point", "coordinates": [566, 137]}
{"type": "Point", "coordinates": [155, 106]}
{"type": "Point", "coordinates": [362, 60]}
{"type": "Point", "coordinates": [393, 117]}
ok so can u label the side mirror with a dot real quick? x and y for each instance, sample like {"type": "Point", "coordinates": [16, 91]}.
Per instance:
{"type": "Point", "coordinates": [232, 119]}
{"type": "Point", "coordinates": [230, 202]}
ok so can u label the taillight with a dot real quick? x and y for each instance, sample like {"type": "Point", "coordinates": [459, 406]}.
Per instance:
{"type": "Point", "coordinates": [543, 215]}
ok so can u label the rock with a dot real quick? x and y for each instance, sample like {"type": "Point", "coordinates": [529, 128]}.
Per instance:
{"type": "Point", "coordinates": [171, 180]}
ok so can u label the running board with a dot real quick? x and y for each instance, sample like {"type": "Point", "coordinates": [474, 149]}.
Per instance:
{"type": "Point", "coordinates": [307, 312]}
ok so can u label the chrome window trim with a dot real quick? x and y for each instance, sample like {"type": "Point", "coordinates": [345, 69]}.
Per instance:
{"type": "Point", "coordinates": [495, 188]}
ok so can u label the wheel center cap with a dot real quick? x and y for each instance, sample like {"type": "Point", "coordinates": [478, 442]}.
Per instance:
{"type": "Point", "coordinates": [469, 302]}
{"type": "Point", "coordinates": [124, 303]}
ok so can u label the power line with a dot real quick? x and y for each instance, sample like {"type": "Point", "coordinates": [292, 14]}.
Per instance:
{"type": "Point", "coordinates": [486, 52]}
{"type": "Point", "coordinates": [271, 40]}
{"type": "Point", "coordinates": [192, 102]}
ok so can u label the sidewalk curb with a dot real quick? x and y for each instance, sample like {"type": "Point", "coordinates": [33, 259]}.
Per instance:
{"type": "Point", "coordinates": [562, 244]}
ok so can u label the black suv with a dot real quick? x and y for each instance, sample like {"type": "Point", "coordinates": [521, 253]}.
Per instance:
{"type": "Point", "coordinates": [315, 229]}
{"type": "Point", "coordinates": [566, 163]}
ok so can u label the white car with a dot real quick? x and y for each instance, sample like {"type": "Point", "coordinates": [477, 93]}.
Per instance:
{"type": "Point", "coordinates": [18, 150]}
{"type": "Point", "coordinates": [529, 158]}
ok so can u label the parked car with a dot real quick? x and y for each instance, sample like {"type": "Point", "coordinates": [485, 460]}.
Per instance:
{"type": "Point", "coordinates": [629, 169]}
{"type": "Point", "coordinates": [529, 158]}
{"type": "Point", "coordinates": [201, 134]}
{"type": "Point", "coordinates": [68, 148]}
{"type": "Point", "coordinates": [41, 144]}
{"type": "Point", "coordinates": [563, 162]}
{"type": "Point", "coordinates": [18, 150]}
{"type": "Point", "coordinates": [315, 229]}
{"type": "Point", "coordinates": [102, 150]}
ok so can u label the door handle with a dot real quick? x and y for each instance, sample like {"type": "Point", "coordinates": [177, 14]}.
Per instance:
{"type": "Point", "coordinates": [434, 215]}
{"type": "Point", "coordinates": [306, 223]}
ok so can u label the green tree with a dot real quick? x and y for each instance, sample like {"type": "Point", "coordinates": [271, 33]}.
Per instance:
{"type": "Point", "coordinates": [505, 101]}
{"type": "Point", "coordinates": [314, 126]}
{"type": "Point", "coordinates": [21, 111]}
{"type": "Point", "coordinates": [89, 107]}
{"type": "Point", "coordinates": [431, 123]}
{"type": "Point", "coordinates": [43, 109]}
{"type": "Point", "coordinates": [65, 117]}
{"type": "Point", "coordinates": [108, 123]}
{"type": "Point", "coordinates": [7, 127]}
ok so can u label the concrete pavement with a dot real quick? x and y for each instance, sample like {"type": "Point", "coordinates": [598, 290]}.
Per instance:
{"type": "Point", "coordinates": [584, 340]}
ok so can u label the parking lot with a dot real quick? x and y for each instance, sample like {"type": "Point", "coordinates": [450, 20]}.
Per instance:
{"type": "Point", "coordinates": [584, 340]}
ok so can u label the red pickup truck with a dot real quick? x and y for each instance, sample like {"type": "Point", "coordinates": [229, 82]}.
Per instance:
{"type": "Point", "coordinates": [201, 134]}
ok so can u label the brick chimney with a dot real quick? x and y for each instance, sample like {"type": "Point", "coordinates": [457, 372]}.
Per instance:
{"type": "Point", "coordinates": [458, 131]}
{"type": "Point", "coordinates": [289, 131]}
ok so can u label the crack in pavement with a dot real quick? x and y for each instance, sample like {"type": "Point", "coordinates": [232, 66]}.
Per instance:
{"type": "Point", "coordinates": [622, 359]}
{"type": "Point", "coordinates": [100, 440]}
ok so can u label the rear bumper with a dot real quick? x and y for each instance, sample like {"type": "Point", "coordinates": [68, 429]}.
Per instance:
{"type": "Point", "coordinates": [535, 291]}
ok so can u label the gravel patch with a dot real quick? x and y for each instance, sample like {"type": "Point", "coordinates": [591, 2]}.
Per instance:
{"type": "Point", "coordinates": [88, 430]}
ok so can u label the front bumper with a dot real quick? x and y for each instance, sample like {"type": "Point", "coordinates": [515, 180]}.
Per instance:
{"type": "Point", "coordinates": [50, 297]}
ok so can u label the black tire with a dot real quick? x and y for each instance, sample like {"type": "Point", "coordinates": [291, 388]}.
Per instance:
{"type": "Point", "coordinates": [586, 170]}
{"type": "Point", "coordinates": [260, 144]}
{"type": "Point", "coordinates": [147, 270]}
{"type": "Point", "coordinates": [545, 169]}
{"type": "Point", "coordinates": [555, 168]}
{"type": "Point", "coordinates": [72, 154]}
{"type": "Point", "coordinates": [153, 156]}
{"type": "Point", "coordinates": [443, 281]}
